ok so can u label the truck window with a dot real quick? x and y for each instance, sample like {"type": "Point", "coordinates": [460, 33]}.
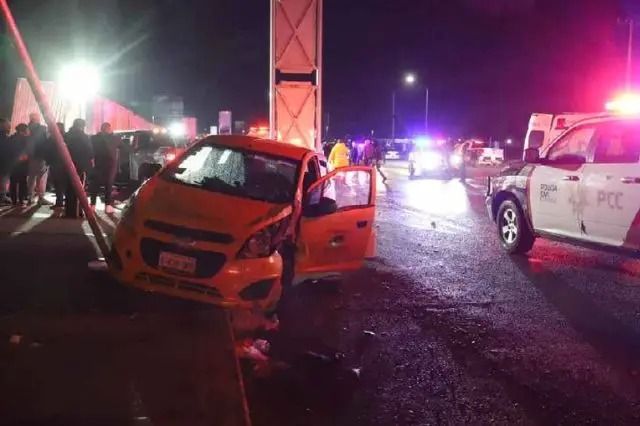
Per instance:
{"type": "Point", "coordinates": [618, 142]}
{"type": "Point", "coordinates": [536, 139]}
{"type": "Point", "coordinates": [575, 143]}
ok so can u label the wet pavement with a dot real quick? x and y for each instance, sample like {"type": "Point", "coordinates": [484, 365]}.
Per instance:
{"type": "Point", "coordinates": [464, 334]}
{"type": "Point", "coordinates": [78, 349]}
{"type": "Point", "coordinates": [441, 328]}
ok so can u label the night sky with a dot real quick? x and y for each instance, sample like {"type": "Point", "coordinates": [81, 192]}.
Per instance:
{"type": "Point", "coordinates": [488, 63]}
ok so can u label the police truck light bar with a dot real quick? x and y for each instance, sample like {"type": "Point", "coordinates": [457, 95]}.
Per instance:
{"type": "Point", "coordinates": [627, 103]}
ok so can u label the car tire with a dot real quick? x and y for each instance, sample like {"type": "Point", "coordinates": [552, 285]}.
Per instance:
{"type": "Point", "coordinates": [514, 232]}
{"type": "Point", "coordinates": [288, 254]}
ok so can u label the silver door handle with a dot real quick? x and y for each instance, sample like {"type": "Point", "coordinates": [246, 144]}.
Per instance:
{"type": "Point", "coordinates": [630, 180]}
{"type": "Point", "coordinates": [571, 178]}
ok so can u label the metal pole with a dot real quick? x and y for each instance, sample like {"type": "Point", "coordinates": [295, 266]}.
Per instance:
{"type": "Point", "coordinates": [630, 53]}
{"type": "Point", "coordinates": [393, 116]}
{"type": "Point", "coordinates": [45, 107]}
{"type": "Point", "coordinates": [426, 111]}
{"type": "Point", "coordinates": [273, 131]}
{"type": "Point", "coordinates": [319, 44]}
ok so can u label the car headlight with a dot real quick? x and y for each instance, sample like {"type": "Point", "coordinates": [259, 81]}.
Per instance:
{"type": "Point", "coordinates": [455, 160]}
{"type": "Point", "coordinates": [264, 242]}
{"type": "Point", "coordinates": [430, 160]}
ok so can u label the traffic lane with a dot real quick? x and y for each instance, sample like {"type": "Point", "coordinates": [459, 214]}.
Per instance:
{"type": "Point", "coordinates": [77, 348]}
{"type": "Point", "coordinates": [388, 363]}
{"type": "Point", "coordinates": [570, 312]}
{"type": "Point", "coordinates": [463, 332]}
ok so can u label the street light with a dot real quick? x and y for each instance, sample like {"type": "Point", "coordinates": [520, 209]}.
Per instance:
{"type": "Point", "coordinates": [409, 80]}
{"type": "Point", "coordinates": [79, 82]}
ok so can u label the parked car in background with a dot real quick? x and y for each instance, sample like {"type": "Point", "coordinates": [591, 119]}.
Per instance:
{"type": "Point", "coordinates": [144, 152]}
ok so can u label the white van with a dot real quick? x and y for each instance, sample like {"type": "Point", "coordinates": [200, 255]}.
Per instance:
{"type": "Point", "coordinates": [545, 128]}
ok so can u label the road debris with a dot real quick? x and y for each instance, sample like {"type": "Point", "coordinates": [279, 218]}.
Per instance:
{"type": "Point", "coordinates": [254, 350]}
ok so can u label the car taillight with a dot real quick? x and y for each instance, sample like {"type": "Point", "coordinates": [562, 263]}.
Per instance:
{"type": "Point", "coordinates": [264, 242]}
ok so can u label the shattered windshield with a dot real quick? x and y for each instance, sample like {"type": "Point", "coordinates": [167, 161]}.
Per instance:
{"type": "Point", "coordinates": [237, 172]}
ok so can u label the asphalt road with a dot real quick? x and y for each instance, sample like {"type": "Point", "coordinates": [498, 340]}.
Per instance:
{"type": "Point", "coordinates": [463, 333]}
{"type": "Point", "coordinates": [441, 328]}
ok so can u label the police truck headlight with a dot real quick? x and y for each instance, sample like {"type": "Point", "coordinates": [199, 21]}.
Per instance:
{"type": "Point", "coordinates": [455, 160]}
{"type": "Point", "coordinates": [430, 160]}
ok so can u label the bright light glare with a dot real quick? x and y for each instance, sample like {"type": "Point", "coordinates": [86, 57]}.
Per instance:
{"type": "Point", "coordinates": [177, 129]}
{"type": "Point", "coordinates": [410, 79]}
{"type": "Point", "coordinates": [422, 141]}
{"type": "Point", "coordinates": [430, 160]}
{"type": "Point", "coordinates": [455, 160]}
{"type": "Point", "coordinates": [79, 81]}
{"type": "Point", "coordinates": [170, 156]}
{"type": "Point", "coordinates": [628, 103]}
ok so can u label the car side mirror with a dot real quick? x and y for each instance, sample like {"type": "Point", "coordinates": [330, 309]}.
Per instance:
{"type": "Point", "coordinates": [531, 155]}
{"type": "Point", "coordinates": [324, 207]}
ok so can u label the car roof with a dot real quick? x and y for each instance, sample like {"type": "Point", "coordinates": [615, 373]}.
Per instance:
{"type": "Point", "coordinates": [266, 146]}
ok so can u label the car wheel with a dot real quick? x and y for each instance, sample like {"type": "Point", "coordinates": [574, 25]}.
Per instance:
{"type": "Point", "coordinates": [288, 254]}
{"type": "Point", "coordinates": [513, 230]}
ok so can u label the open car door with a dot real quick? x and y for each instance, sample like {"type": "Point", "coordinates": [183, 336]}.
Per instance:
{"type": "Point", "coordinates": [336, 228]}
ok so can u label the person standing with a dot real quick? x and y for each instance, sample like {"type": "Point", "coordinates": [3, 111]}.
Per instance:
{"type": "Point", "coordinates": [38, 169]}
{"type": "Point", "coordinates": [5, 164]}
{"type": "Point", "coordinates": [339, 156]}
{"type": "Point", "coordinates": [368, 153]}
{"type": "Point", "coordinates": [19, 159]}
{"type": "Point", "coordinates": [79, 147]}
{"type": "Point", "coordinates": [379, 159]}
{"type": "Point", "coordinates": [354, 153]}
{"type": "Point", "coordinates": [56, 168]}
{"type": "Point", "coordinates": [106, 147]}
{"type": "Point", "coordinates": [463, 165]}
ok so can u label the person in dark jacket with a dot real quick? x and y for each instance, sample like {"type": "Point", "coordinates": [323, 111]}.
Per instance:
{"type": "Point", "coordinates": [56, 169]}
{"type": "Point", "coordinates": [19, 157]}
{"type": "Point", "coordinates": [379, 159]}
{"type": "Point", "coordinates": [79, 147]}
{"type": "Point", "coordinates": [38, 169]}
{"type": "Point", "coordinates": [5, 166]}
{"type": "Point", "coordinates": [105, 150]}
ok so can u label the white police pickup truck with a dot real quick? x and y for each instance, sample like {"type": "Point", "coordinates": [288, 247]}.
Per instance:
{"type": "Point", "coordinates": [584, 187]}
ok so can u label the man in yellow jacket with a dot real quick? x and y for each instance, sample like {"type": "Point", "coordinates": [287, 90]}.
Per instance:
{"type": "Point", "coordinates": [339, 156]}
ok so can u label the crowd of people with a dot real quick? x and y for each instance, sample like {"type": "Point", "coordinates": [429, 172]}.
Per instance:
{"type": "Point", "coordinates": [369, 153]}
{"type": "Point", "coordinates": [30, 163]}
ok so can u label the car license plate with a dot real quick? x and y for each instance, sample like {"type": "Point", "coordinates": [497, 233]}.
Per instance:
{"type": "Point", "coordinates": [176, 262]}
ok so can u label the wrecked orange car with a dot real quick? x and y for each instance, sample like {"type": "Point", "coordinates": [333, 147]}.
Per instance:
{"type": "Point", "coordinates": [234, 219]}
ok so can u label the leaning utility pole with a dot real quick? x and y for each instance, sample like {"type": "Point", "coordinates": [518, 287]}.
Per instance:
{"type": "Point", "coordinates": [295, 97]}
